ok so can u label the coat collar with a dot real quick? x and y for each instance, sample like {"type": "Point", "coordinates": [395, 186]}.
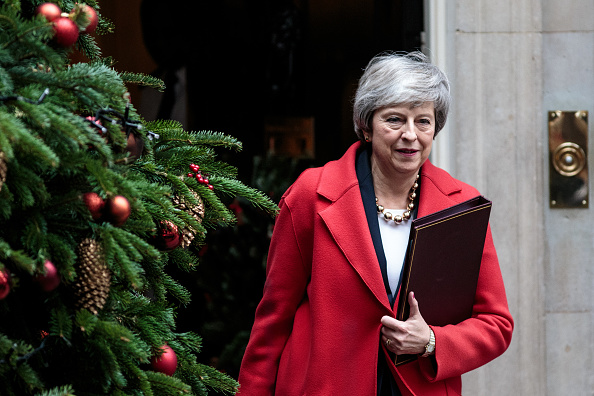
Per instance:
{"type": "Point", "coordinates": [437, 190]}
{"type": "Point", "coordinates": [340, 175]}
{"type": "Point", "coordinates": [346, 219]}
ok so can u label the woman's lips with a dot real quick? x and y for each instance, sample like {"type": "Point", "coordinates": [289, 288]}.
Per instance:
{"type": "Point", "coordinates": [407, 152]}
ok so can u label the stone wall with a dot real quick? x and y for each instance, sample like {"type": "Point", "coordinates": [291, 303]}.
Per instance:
{"type": "Point", "coordinates": [511, 62]}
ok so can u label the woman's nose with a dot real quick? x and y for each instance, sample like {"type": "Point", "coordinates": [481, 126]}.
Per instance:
{"type": "Point", "coordinates": [408, 131]}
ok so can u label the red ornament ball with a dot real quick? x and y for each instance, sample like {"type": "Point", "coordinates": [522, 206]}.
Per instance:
{"type": "Point", "coordinates": [166, 363]}
{"type": "Point", "coordinates": [118, 209]}
{"type": "Point", "coordinates": [49, 10]}
{"type": "Point", "coordinates": [168, 237]}
{"type": "Point", "coordinates": [92, 18]}
{"type": "Point", "coordinates": [50, 279]}
{"type": "Point", "coordinates": [95, 203]}
{"type": "Point", "coordinates": [4, 283]}
{"type": "Point", "coordinates": [66, 31]}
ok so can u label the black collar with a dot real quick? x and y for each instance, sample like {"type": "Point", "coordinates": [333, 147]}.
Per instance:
{"type": "Point", "coordinates": [363, 170]}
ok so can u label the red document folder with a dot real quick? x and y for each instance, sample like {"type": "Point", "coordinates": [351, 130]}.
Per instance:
{"type": "Point", "coordinates": [442, 263]}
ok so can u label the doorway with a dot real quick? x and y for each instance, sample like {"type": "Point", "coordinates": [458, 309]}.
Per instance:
{"type": "Point", "coordinates": [259, 70]}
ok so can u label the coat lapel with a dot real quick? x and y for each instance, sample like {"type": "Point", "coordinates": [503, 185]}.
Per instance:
{"type": "Point", "coordinates": [348, 225]}
{"type": "Point", "coordinates": [346, 220]}
{"type": "Point", "coordinates": [436, 188]}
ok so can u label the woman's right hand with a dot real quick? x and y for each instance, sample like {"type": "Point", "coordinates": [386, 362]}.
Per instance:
{"type": "Point", "coordinates": [408, 337]}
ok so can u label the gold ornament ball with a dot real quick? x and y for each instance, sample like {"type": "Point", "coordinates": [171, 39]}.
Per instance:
{"type": "Point", "coordinates": [118, 208]}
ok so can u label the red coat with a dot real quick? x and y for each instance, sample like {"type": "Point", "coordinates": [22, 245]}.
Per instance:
{"type": "Point", "coordinates": [317, 328]}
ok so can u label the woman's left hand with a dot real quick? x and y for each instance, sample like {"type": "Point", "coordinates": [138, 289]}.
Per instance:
{"type": "Point", "coordinates": [408, 337]}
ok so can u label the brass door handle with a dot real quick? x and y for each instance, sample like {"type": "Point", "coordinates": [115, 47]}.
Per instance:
{"type": "Point", "coordinates": [568, 159]}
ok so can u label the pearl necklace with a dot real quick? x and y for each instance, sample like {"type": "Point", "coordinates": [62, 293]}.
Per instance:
{"type": "Point", "coordinates": [398, 219]}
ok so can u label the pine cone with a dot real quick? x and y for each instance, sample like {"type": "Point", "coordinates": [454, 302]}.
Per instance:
{"type": "Point", "coordinates": [94, 279]}
{"type": "Point", "coordinates": [3, 169]}
{"type": "Point", "coordinates": [196, 211]}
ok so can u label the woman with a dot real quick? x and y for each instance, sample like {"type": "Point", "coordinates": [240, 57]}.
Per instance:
{"type": "Point", "coordinates": [326, 323]}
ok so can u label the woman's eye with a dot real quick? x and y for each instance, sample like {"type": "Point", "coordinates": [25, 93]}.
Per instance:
{"type": "Point", "coordinates": [394, 119]}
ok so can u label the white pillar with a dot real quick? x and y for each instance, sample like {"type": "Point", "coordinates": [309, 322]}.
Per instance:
{"type": "Point", "coordinates": [495, 142]}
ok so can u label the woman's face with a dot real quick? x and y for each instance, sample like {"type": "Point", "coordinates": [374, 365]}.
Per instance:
{"type": "Point", "coordinates": [402, 137]}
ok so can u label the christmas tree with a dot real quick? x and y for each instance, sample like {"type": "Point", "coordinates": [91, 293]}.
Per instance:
{"type": "Point", "coordinates": [98, 208]}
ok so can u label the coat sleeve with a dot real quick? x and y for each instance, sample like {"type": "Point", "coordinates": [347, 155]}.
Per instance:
{"type": "Point", "coordinates": [287, 276]}
{"type": "Point", "coordinates": [474, 342]}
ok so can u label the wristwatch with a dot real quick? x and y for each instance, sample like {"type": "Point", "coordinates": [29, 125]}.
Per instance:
{"type": "Point", "coordinates": [430, 347]}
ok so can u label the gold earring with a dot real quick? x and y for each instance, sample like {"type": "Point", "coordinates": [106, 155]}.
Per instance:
{"type": "Point", "coordinates": [367, 139]}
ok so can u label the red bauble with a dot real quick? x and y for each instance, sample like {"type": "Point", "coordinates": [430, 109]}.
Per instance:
{"type": "Point", "coordinates": [118, 209]}
{"type": "Point", "coordinates": [95, 203]}
{"type": "Point", "coordinates": [49, 10]}
{"type": "Point", "coordinates": [4, 283]}
{"type": "Point", "coordinates": [66, 31]}
{"type": "Point", "coordinates": [168, 237]}
{"type": "Point", "coordinates": [165, 363]}
{"type": "Point", "coordinates": [50, 279]}
{"type": "Point", "coordinates": [92, 18]}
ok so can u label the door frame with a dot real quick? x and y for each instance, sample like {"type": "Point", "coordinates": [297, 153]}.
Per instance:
{"type": "Point", "coordinates": [435, 45]}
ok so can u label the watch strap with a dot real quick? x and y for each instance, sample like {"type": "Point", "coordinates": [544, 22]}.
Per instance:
{"type": "Point", "coordinates": [430, 347]}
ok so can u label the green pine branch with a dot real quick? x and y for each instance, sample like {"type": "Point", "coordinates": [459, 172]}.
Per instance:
{"type": "Point", "coordinates": [58, 391]}
{"type": "Point", "coordinates": [64, 131]}
{"type": "Point", "coordinates": [87, 45]}
{"type": "Point", "coordinates": [143, 80]}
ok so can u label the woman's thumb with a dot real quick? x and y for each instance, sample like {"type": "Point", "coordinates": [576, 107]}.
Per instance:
{"type": "Point", "coordinates": [414, 304]}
